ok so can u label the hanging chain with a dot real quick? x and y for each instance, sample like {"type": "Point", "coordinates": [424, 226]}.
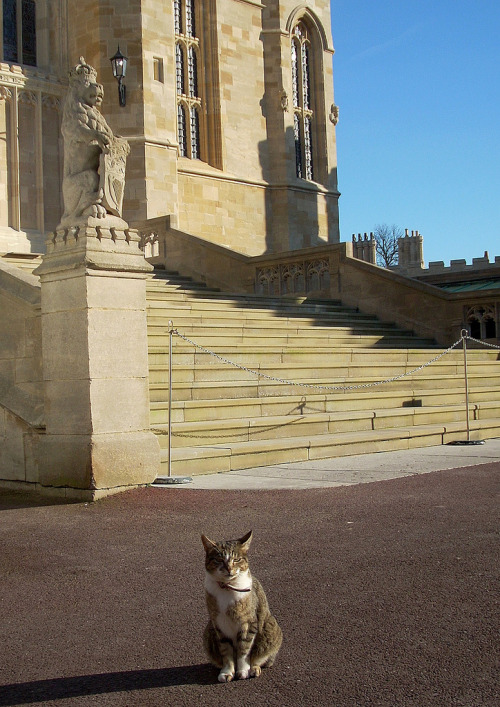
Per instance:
{"type": "Point", "coordinates": [478, 341]}
{"type": "Point", "coordinates": [259, 374]}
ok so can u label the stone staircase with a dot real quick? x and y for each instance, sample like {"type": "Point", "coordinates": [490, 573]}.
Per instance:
{"type": "Point", "coordinates": [225, 417]}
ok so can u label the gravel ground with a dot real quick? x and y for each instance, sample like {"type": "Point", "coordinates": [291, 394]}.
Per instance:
{"type": "Point", "coordinates": [387, 594]}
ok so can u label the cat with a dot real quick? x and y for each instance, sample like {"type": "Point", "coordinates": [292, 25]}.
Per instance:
{"type": "Point", "coordinates": [241, 636]}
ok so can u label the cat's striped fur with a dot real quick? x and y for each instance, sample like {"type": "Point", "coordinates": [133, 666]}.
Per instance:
{"type": "Point", "coordinates": [241, 636]}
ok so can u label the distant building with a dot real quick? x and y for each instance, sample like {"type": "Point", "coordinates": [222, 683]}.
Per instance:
{"type": "Point", "coordinates": [482, 317]}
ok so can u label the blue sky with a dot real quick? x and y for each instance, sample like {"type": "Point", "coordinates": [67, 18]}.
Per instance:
{"type": "Point", "coordinates": [418, 139]}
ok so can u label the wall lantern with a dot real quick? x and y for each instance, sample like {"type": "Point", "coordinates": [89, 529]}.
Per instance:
{"type": "Point", "coordinates": [119, 66]}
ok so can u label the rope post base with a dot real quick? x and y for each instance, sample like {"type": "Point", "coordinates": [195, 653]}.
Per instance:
{"type": "Point", "coordinates": [172, 480]}
{"type": "Point", "coordinates": [466, 442]}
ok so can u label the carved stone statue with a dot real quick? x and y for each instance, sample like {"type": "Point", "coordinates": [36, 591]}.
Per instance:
{"type": "Point", "coordinates": [94, 158]}
{"type": "Point", "coordinates": [334, 114]}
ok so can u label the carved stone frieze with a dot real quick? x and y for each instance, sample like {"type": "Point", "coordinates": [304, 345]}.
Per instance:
{"type": "Point", "coordinates": [294, 277]}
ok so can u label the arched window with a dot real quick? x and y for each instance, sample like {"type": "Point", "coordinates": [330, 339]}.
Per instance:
{"type": "Point", "coordinates": [181, 130]}
{"type": "Point", "coordinates": [481, 321]}
{"type": "Point", "coordinates": [187, 52]}
{"type": "Point", "coordinates": [19, 31]}
{"type": "Point", "coordinates": [303, 113]}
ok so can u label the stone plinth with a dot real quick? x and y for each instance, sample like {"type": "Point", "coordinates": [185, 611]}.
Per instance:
{"type": "Point", "coordinates": [95, 366]}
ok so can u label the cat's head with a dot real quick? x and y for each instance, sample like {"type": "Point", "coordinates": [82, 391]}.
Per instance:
{"type": "Point", "coordinates": [226, 559]}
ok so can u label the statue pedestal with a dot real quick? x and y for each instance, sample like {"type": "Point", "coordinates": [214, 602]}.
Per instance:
{"type": "Point", "coordinates": [95, 364]}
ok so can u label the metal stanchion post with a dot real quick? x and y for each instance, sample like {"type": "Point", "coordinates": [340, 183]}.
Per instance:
{"type": "Point", "coordinates": [169, 480]}
{"type": "Point", "coordinates": [464, 344]}
{"type": "Point", "coordinates": [465, 334]}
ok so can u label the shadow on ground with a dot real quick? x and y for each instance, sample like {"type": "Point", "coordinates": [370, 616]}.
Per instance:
{"type": "Point", "coordinates": [40, 691]}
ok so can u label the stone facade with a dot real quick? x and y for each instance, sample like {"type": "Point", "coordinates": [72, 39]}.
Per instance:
{"type": "Point", "coordinates": [216, 103]}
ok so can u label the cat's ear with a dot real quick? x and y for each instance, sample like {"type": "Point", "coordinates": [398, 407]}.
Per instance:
{"type": "Point", "coordinates": [207, 543]}
{"type": "Point", "coordinates": [245, 541]}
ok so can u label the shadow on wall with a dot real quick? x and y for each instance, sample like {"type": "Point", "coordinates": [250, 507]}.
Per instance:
{"type": "Point", "coordinates": [291, 203]}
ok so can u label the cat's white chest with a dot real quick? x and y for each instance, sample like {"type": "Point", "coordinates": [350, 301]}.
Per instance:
{"type": "Point", "coordinates": [226, 598]}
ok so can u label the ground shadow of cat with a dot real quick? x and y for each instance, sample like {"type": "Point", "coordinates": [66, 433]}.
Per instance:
{"type": "Point", "coordinates": [81, 685]}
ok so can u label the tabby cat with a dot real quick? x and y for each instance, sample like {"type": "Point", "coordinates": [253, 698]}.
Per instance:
{"type": "Point", "coordinates": [241, 636]}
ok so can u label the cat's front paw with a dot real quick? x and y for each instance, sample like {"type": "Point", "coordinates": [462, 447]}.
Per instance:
{"type": "Point", "coordinates": [243, 674]}
{"type": "Point", "coordinates": [255, 671]}
{"type": "Point", "coordinates": [225, 676]}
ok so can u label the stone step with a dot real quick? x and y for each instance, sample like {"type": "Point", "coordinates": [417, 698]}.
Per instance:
{"type": "Point", "coordinates": [223, 338]}
{"type": "Point", "coordinates": [244, 455]}
{"type": "Point", "coordinates": [244, 353]}
{"type": "Point", "coordinates": [228, 431]}
{"type": "Point", "coordinates": [185, 320]}
{"type": "Point", "coordinates": [221, 308]}
{"type": "Point", "coordinates": [207, 410]}
{"type": "Point", "coordinates": [225, 417]}
{"type": "Point", "coordinates": [326, 374]}
{"type": "Point", "coordinates": [256, 388]}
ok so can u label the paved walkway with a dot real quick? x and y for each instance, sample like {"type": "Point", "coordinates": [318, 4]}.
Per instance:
{"type": "Point", "coordinates": [358, 469]}
{"type": "Point", "coordinates": [387, 592]}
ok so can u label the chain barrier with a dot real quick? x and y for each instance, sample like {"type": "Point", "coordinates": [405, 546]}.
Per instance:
{"type": "Point", "coordinates": [259, 374]}
{"type": "Point", "coordinates": [478, 341]}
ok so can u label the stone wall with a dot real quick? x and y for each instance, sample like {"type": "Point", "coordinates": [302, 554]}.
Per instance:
{"type": "Point", "coordinates": [21, 385]}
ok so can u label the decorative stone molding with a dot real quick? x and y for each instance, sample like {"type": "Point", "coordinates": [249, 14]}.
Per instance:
{"type": "Point", "coordinates": [51, 101]}
{"type": "Point", "coordinates": [27, 97]}
{"type": "Point", "coordinates": [293, 277]}
{"type": "Point", "coordinates": [5, 93]}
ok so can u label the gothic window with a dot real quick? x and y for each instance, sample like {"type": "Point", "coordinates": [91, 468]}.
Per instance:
{"type": "Point", "coordinates": [187, 52]}
{"type": "Point", "coordinates": [481, 321]}
{"type": "Point", "coordinates": [179, 69]}
{"type": "Point", "coordinates": [192, 72]}
{"type": "Point", "coordinates": [195, 132]}
{"type": "Point", "coordinates": [302, 102]}
{"type": "Point", "coordinates": [19, 31]}
{"type": "Point", "coordinates": [181, 130]}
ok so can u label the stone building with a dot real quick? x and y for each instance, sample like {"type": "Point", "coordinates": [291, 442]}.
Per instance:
{"type": "Point", "coordinates": [231, 180]}
{"type": "Point", "coordinates": [229, 112]}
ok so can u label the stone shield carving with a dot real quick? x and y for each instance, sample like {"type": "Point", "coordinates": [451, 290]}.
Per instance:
{"type": "Point", "coordinates": [112, 174]}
